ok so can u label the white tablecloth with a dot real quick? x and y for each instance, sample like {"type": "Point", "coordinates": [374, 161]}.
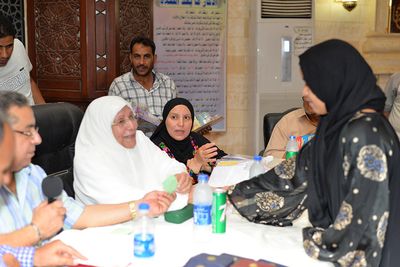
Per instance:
{"type": "Point", "coordinates": [176, 243]}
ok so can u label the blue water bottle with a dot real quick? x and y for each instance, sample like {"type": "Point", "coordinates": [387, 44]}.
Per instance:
{"type": "Point", "coordinates": [256, 167]}
{"type": "Point", "coordinates": [143, 243]}
{"type": "Point", "coordinates": [292, 148]}
{"type": "Point", "coordinates": [202, 202]}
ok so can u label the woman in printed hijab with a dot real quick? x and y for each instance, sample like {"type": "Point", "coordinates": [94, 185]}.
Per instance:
{"type": "Point", "coordinates": [114, 162]}
{"type": "Point", "coordinates": [347, 176]}
{"type": "Point", "coordinates": [174, 135]}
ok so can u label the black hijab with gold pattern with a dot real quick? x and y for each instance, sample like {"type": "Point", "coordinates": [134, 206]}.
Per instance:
{"type": "Point", "coordinates": [338, 75]}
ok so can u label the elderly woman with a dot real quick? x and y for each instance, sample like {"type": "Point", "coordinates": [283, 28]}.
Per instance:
{"type": "Point", "coordinates": [174, 135]}
{"type": "Point", "coordinates": [114, 162]}
{"type": "Point", "coordinates": [347, 176]}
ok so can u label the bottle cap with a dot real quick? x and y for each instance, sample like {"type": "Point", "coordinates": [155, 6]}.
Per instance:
{"type": "Point", "coordinates": [257, 158]}
{"type": "Point", "coordinates": [144, 206]}
{"type": "Point", "coordinates": [292, 137]}
{"type": "Point", "coordinates": [202, 177]}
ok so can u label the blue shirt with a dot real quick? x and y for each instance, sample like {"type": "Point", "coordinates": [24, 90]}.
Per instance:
{"type": "Point", "coordinates": [24, 255]}
{"type": "Point", "coordinates": [16, 211]}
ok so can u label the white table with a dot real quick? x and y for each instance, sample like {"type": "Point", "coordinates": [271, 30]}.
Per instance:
{"type": "Point", "coordinates": [175, 243]}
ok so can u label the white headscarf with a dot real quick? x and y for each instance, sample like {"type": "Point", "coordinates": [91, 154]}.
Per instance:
{"type": "Point", "coordinates": [104, 170]}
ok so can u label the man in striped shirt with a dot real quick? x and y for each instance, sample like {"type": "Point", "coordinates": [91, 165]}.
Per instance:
{"type": "Point", "coordinates": [142, 86]}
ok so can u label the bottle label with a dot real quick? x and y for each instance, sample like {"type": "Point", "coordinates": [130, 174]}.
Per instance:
{"type": "Point", "coordinates": [202, 214]}
{"type": "Point", "coordinates": [290, 154]}
{"type": "Point", "coordinates": [302, 140]}
{"type": "Point", "coordinates": [143, 245]}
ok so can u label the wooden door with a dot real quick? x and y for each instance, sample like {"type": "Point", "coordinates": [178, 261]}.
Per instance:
{"type": "Point", "coordinates": [77, 47]}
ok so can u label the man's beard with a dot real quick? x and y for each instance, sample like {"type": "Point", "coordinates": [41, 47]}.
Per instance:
{"type": "Point", "coordinates": [140, 74]}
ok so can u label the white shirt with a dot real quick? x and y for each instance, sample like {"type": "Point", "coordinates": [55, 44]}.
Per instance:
{"type": "Point", "coordinates": [14, 76]}
{"type": "Point", "coordinates": [106, 172]}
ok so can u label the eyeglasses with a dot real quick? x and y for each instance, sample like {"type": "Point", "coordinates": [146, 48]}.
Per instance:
{"type": "Point", "coordinates": [123, 121]}
{"type": "Point", "coordinates": [29, 133]}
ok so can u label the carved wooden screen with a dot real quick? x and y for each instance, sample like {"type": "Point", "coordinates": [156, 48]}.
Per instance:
{"type": "Point", "coordinates": [55, 47]}
{"type": "Point", "coordinates": [135, 18]}
{"type": "Point", "coordinates": [15, 9]}
{"type": "Point", "coordinates": [77, 47]}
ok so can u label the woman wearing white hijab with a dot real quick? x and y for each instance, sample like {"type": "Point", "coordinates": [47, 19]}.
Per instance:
{"type": "Point", "coordinates": [116, 163]}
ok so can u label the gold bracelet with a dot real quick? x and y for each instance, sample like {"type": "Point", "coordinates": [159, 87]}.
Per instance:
{"type": "Point", "coordinates": [37, 230]}
{"type": "Point", "coordinates": [132, 209]}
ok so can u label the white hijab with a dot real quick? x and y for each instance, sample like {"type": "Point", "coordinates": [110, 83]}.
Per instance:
{"type": "Point", "coordinates": [105, 171]}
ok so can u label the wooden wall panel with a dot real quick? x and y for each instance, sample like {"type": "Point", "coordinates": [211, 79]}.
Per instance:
{"type": "Point", "coordinates": [135, 18]}
{"type": "Point", "coordinates": [55, 47]}
{"type": "Point", "coordinates": [15, 9]}
{"type": "Point", "coordinates": [77, 47]}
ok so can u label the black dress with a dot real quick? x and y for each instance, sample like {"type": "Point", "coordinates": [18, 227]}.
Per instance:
{"type": "Point", "coordinates": [181, 150]}
{"type": "Point", "coordinates": [368, 169]}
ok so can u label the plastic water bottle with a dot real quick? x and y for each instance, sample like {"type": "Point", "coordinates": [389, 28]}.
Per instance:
{"type": "Point", "coordinates": [256, 168]}
{"type": "Point", "coordinates": [143, 244]}
{"type": "Point", "coordinates": [292, 147]}
{"type": "Point", "coordinates": [202, 203]}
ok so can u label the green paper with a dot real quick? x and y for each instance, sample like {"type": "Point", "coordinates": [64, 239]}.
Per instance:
{"type": "Point", "coordinates": [170, 184]}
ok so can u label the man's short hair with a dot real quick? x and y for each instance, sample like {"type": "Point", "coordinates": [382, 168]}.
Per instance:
{"type": "Point", "coordinates": [9, 99]}
{"type": "Point", "coordinates": [144, 41]}
{"type": "Point", "coordinates": [6, 26]}
{"type": "Point", "coordinates": [3, 121]}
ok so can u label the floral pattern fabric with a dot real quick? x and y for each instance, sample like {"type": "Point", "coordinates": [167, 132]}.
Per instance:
{"type": "Point", "coordinates": [171, 155]}
{"type": "Point", "coordinates": [356, 235]}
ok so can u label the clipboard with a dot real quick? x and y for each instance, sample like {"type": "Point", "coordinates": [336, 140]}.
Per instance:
{"type": "Point", "coordinates": [214, 120]}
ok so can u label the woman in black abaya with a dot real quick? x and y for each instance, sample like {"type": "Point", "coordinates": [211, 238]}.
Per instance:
{"type": "Point", "coordinates": [347, 176]}
{"type": "Point", "coordinates": [174, 136]}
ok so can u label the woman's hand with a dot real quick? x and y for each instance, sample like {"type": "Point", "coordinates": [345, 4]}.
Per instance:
{"type": "Point", "coordinates": [194, 165]}
{"type": "Point", "coordinates": [206, 153]}
{"type": "Point", "coordinates": [203, 156]}
{"type": "Point", "coordinates": [184, 182]}
{"type": "Point", "coordinates": [159, 202]}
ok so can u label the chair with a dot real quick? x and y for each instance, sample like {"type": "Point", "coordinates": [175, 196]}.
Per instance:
{"type": "Point", "coordinates": [58, 126]}
{"type": "Point", "coordinates": [270, 119]}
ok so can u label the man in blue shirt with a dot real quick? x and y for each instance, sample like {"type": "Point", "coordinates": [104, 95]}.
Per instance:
{"type": "Point", "coordinates": [54, 253]}
{"type": "Point", "coordinates": [26, 216]}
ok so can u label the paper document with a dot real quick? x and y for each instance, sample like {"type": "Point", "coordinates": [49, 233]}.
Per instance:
{"type": "Point", "coordinates": [233, 169]}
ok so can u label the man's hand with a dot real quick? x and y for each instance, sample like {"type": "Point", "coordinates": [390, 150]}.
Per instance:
{"type": "Point", "coordinates": [184, 182]}
{"type": "Point", "coordinates": [10, 261]}
{"type": "Point", "coordinates": [49, 218]}
{"type": "Point", "coordinates": [56, 253]}
{"type": "Point", "coordinates": [159, 202]}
